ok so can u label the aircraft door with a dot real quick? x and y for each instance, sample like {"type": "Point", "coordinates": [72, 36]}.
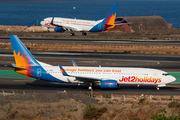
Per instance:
{"type": "Point", "coordinates": [38, 72]}
{"type": "Point", "coordinates": [99, 26]}
{"type": "Point", "coordinates": [155, 75]}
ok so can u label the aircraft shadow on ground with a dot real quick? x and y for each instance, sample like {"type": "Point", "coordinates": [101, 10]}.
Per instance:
{"type": "Point", "coordinates": [44, 85]}
{"type": "Point", "coordinates": [53, 85]}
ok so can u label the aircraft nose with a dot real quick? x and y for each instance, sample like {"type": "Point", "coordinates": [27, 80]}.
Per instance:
{"type": "Point", "coordinates": [172, 79]}
{"type": "Point", "coordinates": [42, 22]}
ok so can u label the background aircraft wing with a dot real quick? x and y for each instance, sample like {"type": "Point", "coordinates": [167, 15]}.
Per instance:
{"type": "Point", "coordinates": [65, 27]}
{"type": "Point", "coordinates": [70, 28]}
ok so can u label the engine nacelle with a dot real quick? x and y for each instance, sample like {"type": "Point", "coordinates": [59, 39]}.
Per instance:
{"type": "Point", "coordinates": [59, 29]}
{"type": "Point", "coordinates": [108, 84]}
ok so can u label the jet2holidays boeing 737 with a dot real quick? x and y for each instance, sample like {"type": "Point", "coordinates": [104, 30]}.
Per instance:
{"type": "Point", "coordinates": [105, 77]}
{"type": "Point", "coordinates": [72, 25]}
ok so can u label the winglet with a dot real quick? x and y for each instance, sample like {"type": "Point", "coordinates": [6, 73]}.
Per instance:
{"type": "Point", "coordinates": [123, 19]}
{"type": "Point", "coordinates": [74, 63]}
{"type": "Point", "coordinates": [63, 71]}
{"type": "Point", "coordinates": [52, 21]}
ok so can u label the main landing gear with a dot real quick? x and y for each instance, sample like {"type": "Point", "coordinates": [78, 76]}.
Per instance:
{"type": "Point", "coordinates": [72, 34]}
{"type": "Point", "coordinates": [91, 86]}
{"type": "Point", "coordinates": [84, 33]}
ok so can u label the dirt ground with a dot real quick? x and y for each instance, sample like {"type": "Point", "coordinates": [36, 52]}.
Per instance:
{"type": "Point", "coordinates": [73, 106]}
{"type": "Point", "coordinates": [22, 28]}
{"type": "Point", "coordinates": [156, 49]}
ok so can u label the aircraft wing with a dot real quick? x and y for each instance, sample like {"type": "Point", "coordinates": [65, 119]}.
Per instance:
{"type": "Point", "coordinates": [65, 27]}
{"type": "Point", "coordinates": [79, 78]}
{"type": "Point", "coordinates": [52, 23]}
{"type": "Point", "coordinates": [86, 79]}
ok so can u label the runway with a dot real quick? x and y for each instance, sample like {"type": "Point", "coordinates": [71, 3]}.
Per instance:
{"type": "Point", "coordinates": [97, 41]}
{"type": "Point", "coordinates": [38, 86]}
{"type": "Point", "coordinates": [167, 62]}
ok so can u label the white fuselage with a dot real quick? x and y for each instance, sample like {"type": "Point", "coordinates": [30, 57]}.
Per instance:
{"type": "Point", "coordinates": [122, 75]}
{"type": "Point", "coordinates": [75, 24]}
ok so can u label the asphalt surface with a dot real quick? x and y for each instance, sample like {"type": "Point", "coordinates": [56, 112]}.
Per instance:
{"type": "Point", "coordinates": [38, 86]}
{"type": "Point", "coordinates": [97, 41]}
{"type": "Point", "coordinates": [169, 63]}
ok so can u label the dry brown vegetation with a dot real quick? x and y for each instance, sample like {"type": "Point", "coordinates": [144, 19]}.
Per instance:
{"type": "Point", "coordinates": [21, 28]}
{"type": "Point", "coordinates": [46, 33]}
{"type": "Point", "coordinates": [152, 49]}
{"type": "Point", "coordinates": [91, 47]}
{"type": "Point", "coordinates": [74, 106]}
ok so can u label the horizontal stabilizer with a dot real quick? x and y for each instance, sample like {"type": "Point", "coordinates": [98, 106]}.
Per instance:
{"type": "Point", "coordinates": [109, 25]}
{"type": "Point", "coordinates": [13, 65]}
{"type": "Point", "coordinates": [17, 68]}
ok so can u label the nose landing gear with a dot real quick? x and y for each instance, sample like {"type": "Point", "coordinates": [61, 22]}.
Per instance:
{"type": "Point", "coordinates": [157, 88]}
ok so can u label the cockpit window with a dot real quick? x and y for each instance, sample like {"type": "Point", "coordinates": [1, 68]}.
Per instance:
{"type": "Point", "coordinates": [165, 74]}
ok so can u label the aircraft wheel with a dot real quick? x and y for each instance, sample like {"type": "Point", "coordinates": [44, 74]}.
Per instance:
{"type": "Point", "coordinates": [91, 86]}
{"type": "Point", "coordinates": [84, 33]}
{"type": "Point", "coordinates": [117, 85]}
{"type": "Point", "coordinates": [72, 34]}
{"type": "Point", "coordinates": [157, 88]}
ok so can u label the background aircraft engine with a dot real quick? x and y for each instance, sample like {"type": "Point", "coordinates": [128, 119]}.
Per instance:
{"type": "Point", "coordinates": [109, 84]}
{"type": "Point", "coordinates": [59, 29]}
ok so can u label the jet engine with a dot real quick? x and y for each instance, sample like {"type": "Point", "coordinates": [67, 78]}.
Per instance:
{"type": "Point", "coordinates": [59, 29]}
{"type": "Point", "coordinates": [108, 84]}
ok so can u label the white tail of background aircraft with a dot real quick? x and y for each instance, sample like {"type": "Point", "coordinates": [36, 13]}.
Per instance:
{"type": "Point", "coordinates": [66, 24]}
{"type": "Point", "coordinates": [106, 77]}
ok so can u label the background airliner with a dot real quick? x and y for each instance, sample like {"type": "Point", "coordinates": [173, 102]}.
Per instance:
{"type": "Point", "coordinates": [65, 24]}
